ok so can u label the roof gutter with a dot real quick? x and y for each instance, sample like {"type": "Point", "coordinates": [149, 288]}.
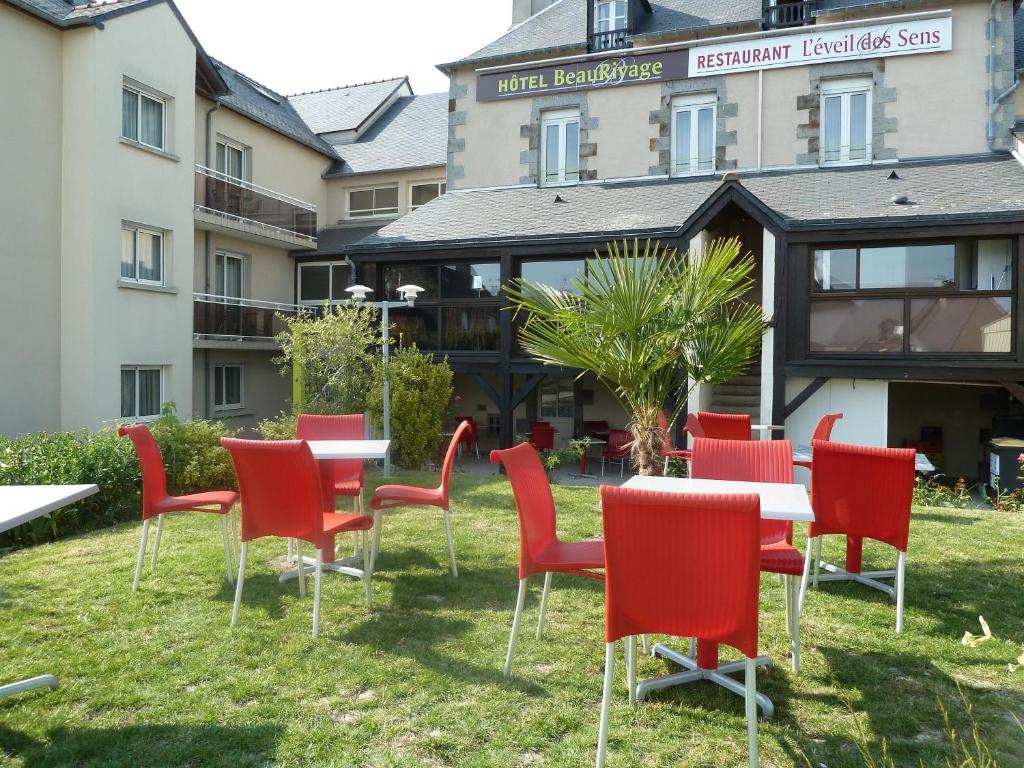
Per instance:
{"type": "Point", "coordinates": [994, 100]}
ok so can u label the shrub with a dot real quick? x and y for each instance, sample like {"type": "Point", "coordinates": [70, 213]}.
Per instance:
{"type": "Point", "coordinates": [281, 428]}
{"type": "Point", "coordinates": [193, 456]}
{"type": "Point", "coordinates": [67, 458]}
{"type": "Point", "coordinates": [420, 390]}
{"type": "Point", "coordinates": [929, 492]}
{"type": "Point", "coordinates": [338, 353]}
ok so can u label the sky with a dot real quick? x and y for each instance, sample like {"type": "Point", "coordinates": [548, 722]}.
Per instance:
{"type": "Point", "coordinates": [295, 46]}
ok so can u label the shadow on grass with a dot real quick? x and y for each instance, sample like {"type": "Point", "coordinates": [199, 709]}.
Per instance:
{"type": "Point", "coordinates": [145, 745]}
{"type": "Point", "coordinates": [932, 517]}
{"type": "Point", "coordinates": [264, 591]}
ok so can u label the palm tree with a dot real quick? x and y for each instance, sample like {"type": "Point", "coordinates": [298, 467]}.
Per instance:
{"type": "Point", "coordinates": [647, 321]}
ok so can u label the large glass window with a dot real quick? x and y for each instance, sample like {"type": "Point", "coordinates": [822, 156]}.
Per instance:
{"type": "Point", "coordinates": [421, 194]}
{"type": "Point", "coordinates": [141, 392]}
{"type": "Point", "coordinates": [932, 298]}
{"type": "Point", "coordinates": [560, 146]}
{"type": "Point", "coordinates": [228, 276]}
{"type": "Point", "coordinates": [556, 398]}
{"type": "Point", "coordinates": [417, 325]}
{"type": "Point", "coordinates": [470, 281]}
{"type": "Point", "coordinates": [473, 329]}
{"type": "Point", "coordinates": [231, 159]}
{"type": "Point", "coordinates": [846, 121]}
{"type": "Point", "coordinates": [693, 134]}
{"type": "Point", "coordinates": [227, 387]}
{"type": "Point", "coordinates": [323, 281]}
{"type": "Point", "coordinates": [609, 15]}
{"type": "Point", "coordinates": [556, 274]}
{"type": "Point", "coordinates": [142, 117]}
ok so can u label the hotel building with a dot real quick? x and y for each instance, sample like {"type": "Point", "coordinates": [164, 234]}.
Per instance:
{"type": "Point", "coordinates": [865, 152]}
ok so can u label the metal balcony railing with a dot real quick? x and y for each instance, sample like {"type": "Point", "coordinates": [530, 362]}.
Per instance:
{"type": "Point", "coordinates": [234, 319]}
{"type": "Point", "coordinates": [242, 201]}
{"type": "Point", "coordinates": [783, 14]}
{"type": "Point", "coordinates": [612, 40]}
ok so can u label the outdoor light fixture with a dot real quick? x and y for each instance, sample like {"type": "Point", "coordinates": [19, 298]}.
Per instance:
{"type": "Point", "coordinates": [359, 293]}
{"type": "Point", "coordinates": [409, 293]}
{"type": "Point", "coordinates": [478, 283]}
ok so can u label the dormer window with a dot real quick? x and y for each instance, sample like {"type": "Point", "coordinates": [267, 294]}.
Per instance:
{"type": "Point", "coordinates": [609, 25]}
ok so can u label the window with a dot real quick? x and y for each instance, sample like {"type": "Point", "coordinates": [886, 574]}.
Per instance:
{"type": "Point", "coordinates": [142, 392]}
{"type": "Point", "coordinates": [932, 298]}
{"type": "Point", "coordinates": [227, 387]}
{"type": "Point", "coordinates": [558, 274]}
{"type": "Point", "coordinates": [609, 15]}
{"type": "Point", "coordinates": [380, 201]}
{"type": "Point", "coordinates": [421, 194]}
{"type": "Point", "coordinates": [231, 160]}
{"type": "Point", "coordinates": [142, 255]}
{"type": "Point", "coordinates": [228, 269]}
{"type": "Point", "coordinates": [560, 147]}
{"type": "Point", "coordinates": [142, 117]}
{"type": "Point", "coordinates": [846, 122]}
{"type": "Point", "coordinates": [322, 282]}
{"type": "Point", "coordinates": [693, 134]}
{"type": "Point", "coordinates": [556, 398]}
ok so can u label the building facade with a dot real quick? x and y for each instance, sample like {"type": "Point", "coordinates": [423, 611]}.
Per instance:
{"type": "Point", "coordinates": [864, 153]}
{"type": "Point", "coordinates": [169, 208]}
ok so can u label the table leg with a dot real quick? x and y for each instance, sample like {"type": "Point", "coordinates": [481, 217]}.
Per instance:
{"type": "Point", "coordinates": [694, 670]}
{"type": "Point", "coordinates": [42, 681]}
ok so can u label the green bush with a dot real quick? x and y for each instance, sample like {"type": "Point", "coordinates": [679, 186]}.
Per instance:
{"type": "Point", "coordinates": [192, 453]}
{"type": "Point", "coordinates": [339, 355]}
{"type": "Point", "coordinates": [420, 390]}
{"type": "Point", "coordinates": [192, 457]}
{"type": "Point", "coordinates": [67, 458]}
{"type": "Point", "coordinates": [281, 428]}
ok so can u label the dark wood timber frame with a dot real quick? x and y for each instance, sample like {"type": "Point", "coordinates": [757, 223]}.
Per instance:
{"type": "Point", "coordinates": [794, 245]}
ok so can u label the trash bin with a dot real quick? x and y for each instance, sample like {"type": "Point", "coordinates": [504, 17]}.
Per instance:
{"type": "Point", "coordinates": [1003, 466]}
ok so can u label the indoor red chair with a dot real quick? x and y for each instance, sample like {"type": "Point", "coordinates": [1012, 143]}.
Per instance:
{"type": "Point", "coordinates": [691, 427]}
{"type": "Point", "coordinates": [682, 565]}
{"type": "Point", "coordinates": [282, 495]}
{"type": "Point", "coordinates": [761, 461]}
{"type": "Point", "coordinates": [726, 426]}
{"type": "Point", "coordinates": [156, 502]}
{"type": "Point", "coordinates": [471, 436]}
{"type": "Point", "coordinates": [542, 436]}
{"type": "Point", "coordinates": [861, 492]}
{"type": "Point", "coordinates": [619, 443]}
{"type": "Point", "coordinates": [821, 432]}
{"type": "Point", "coordinates": [394, 496]}
{"type": "Point", "coordinates": [540, 551]}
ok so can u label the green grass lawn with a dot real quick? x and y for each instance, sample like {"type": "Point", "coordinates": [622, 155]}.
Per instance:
{"type": "Point", "coordinates": [158, 678]}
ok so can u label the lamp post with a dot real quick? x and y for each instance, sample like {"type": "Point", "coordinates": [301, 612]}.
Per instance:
{"type": "Point", "coordinates": [358, 297]}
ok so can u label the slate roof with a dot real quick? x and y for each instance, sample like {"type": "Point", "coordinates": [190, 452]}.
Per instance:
{"type": "Point", "coordinates": [258, 102]}
{"type": "Point", "coordinates": [65, 13]}
{"type": "Point", "coordinates": [413, 133]}
{"type": "Point", "coordinates": [974, 189]}
{"type": "Point", "coordinates": [562, 27]}
{"type": "Point", "coordinates": [345, 108]}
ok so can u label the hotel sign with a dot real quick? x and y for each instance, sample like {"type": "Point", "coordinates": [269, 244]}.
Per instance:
{"type": "Point", "coordinates": [582, 75]}
{"type": "Point", "coordinates": [863, 42]}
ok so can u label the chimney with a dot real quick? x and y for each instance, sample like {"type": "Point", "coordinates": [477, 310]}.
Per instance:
{"type": "Point", "coordinates": [524, 9]}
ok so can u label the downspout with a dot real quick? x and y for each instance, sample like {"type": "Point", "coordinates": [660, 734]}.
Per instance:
{"type": "Point", "coordinates": [994, 100]}
{"type": "Point", "coordinates": [206, 258]}
{"type": "Point", "coordinates": [760, 115]}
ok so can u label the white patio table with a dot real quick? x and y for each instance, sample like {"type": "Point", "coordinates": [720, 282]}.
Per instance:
{"type": "Point", "coordinates": [324, 451]}
{"type": "Point", "coordinates": [779, 501]}
{"type": "Point", "coordinates": [24, 503]}
{"type": "Point", "coordinates": [921, 462]}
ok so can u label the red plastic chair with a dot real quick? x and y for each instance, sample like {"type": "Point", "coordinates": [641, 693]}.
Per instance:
{"type": "Point", "coordinates": [619, 444]}
{"type": "Point", "coordinates": [761, 461]}
{"type": "Point", "coordinates": [156, 502]}
{"type": "Point", "coordinates": [471, 436]}
{"type": "Point", "coordinates": [542, 435]}
{"type": "Point", "coordinates": [725, 426]}
{"type": "Point", "coordinates": [861, 492]}
{"type": "Point", "coordinates": [394, 496]}
{"type": "Point", "coordinates": [283, 495]}
{"type": "Point", "coordinates": [692, 427]}
{"type": "Point", "coordinates": [821, 432]}
{"type": "Point", "coordinates": [683, 565]}
{"type": "Point", "coordinates": [540, 550]}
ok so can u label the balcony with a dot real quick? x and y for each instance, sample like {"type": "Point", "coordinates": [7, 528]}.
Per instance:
{"type": "Point", "coordinates": [245, 209]}
{"type": "Point", "coordinates": [782, 14]}
{"type": "Point", "coordinates": [224, 321]}
{"type": "Point", "coordinates": [612, 40]}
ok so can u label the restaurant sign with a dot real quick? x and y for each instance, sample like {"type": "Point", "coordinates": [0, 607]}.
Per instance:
{"type": "Point", "coordinates": [862, 42]}
{"type": "Point", "coordinates": [582, 75]}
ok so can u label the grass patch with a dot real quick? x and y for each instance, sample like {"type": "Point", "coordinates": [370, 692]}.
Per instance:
{"type": "Point", "coordinates": [158, 678]}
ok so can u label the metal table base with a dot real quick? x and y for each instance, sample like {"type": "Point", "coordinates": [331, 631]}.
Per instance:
{"type": "Point", "coordinates": [42, 681]}
{"type": "Point", "coordinates": [344, 565]}
{"type": "Point", "coordinates": [693, 673]}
